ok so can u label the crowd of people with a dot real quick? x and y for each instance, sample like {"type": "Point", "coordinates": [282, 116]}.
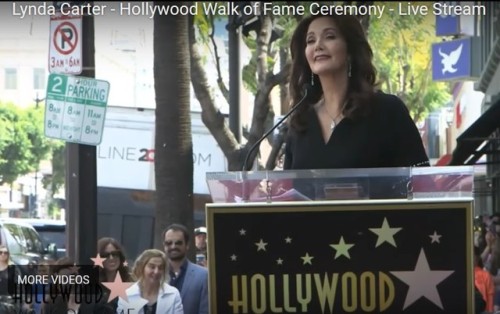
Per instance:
{"type": "Point", "coordinates": [164, 281]}
{"type": "Point", "coordinates": [487, 261]}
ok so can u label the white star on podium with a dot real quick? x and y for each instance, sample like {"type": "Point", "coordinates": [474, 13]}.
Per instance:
{"type": "Point", "coordinates": [422, 282]}
{"type": "Point", "coordinates": [435, 237]}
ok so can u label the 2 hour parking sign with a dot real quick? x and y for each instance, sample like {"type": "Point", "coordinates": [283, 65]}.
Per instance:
{"type": "Point", "coordinates": [75, 108]}
{"type": "Point", "coordinates": [65, 44]}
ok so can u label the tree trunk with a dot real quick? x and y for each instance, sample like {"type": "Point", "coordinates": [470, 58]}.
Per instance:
{"type": "Point", "coordinates": [173, 143]}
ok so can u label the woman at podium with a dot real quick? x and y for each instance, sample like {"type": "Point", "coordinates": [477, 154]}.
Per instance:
{"type": "Point", "coordinates": [345, 122]}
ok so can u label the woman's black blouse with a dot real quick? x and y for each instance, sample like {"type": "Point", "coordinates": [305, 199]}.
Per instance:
{"type": "Point", "coordinates": [387, 137]}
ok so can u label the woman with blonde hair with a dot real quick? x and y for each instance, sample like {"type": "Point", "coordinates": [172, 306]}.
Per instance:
{"type": "Point", "coordinates": [151, 294]}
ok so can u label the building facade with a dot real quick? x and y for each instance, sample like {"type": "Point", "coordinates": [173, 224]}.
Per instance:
{"type": "Point", "coordinates": [481, 138]}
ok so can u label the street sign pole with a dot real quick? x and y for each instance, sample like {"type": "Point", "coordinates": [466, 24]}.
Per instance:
{"type": "Point", "coordinates": [81, 174]}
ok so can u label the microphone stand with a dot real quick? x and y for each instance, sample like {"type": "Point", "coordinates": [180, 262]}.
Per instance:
{"type": "Point", "coordinates": [245, 193]}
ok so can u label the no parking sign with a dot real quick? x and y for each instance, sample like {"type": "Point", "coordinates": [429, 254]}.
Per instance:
{"type": "Point", "coordinates": [65, 44]}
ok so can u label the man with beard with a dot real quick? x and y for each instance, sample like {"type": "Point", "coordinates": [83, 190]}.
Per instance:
{"type": "Point", "coordinates": [190, 279]}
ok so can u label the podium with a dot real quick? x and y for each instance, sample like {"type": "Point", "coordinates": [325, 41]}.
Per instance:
{"type": "Point", "coordinates": [385, 240]}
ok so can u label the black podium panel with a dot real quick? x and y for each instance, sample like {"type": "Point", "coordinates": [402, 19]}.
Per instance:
{"type": "Point", "coordinates": [341, 257]}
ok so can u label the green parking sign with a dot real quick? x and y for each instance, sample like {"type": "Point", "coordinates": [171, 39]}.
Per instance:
{"type": "Point", "coordinates": [75, 108]}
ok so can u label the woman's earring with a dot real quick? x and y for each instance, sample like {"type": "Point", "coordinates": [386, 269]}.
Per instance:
{"type": "Point", "coordinates": [349, 70]}
{"type": "Point", "coordinates": [312, 79]}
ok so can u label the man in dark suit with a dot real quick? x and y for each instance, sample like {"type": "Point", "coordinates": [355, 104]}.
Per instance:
{"type": "Point", "coordinates": [190, 279]}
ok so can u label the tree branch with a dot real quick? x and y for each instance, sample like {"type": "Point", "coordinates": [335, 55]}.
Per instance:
{"type": "Point", "coordinates": [263, 39]}
{"type": "Point", "coordinates": [220, 81]}
{"type": "Point", "coordinates": [212, 118]}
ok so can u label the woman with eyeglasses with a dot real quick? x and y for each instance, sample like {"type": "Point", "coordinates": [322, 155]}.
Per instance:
{"type": "Point", "coordinates": [4, 270]}
{"type": "Point", "coordinates": [111, 251]}
{"type": "Point", "coordinates": [151, 294]}
{"type": "Point", "coordinates": [7, 304]}
{"type": "Point", "coordinates": [114, 262]}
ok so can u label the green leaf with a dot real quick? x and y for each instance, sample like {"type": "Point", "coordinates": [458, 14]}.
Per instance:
{"type": "Point", "coordinates": [406, 40]}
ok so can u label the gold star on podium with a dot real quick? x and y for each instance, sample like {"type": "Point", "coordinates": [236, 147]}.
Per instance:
{"type": "Point", "coordinates": [342, 248]}
{"type": "Point", "coordinates": [261, 245]}
{"type": "Point", "coordinates": [385, 233]}
{"type": "Point", "coordinates": [307, 259]}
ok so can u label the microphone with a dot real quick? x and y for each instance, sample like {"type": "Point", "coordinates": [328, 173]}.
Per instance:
{"type": "Point", "coordinates": [307, 89]}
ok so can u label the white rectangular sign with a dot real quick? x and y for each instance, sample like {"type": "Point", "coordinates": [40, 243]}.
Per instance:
{"type": "Point", "coordinates": [65, 44]}
{"type": "Point", "coordinates": [125, 157]}
{"type": "Point", "coordinates": [75, 108]}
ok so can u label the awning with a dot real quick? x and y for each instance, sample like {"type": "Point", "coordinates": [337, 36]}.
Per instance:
{"type": "Point", "coordinates": [471, 144]}
{"type": "Point", "coordinates": [491, 66]}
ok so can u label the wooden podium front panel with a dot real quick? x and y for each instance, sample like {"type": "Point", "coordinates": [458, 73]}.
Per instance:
{"type": "Point", "coordinates": [341, 257]}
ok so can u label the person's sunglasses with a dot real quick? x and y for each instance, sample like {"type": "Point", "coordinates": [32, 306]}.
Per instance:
{"type": "Point", "coordinates": [4, 252]}
{"type": "Point", "coordinates": [177, 243]}
{"type": "Point", "coordinates": [114, 254]}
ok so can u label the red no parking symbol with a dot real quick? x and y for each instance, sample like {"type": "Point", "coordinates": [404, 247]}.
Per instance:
{"type": "Point", "coordinates": [65, 38]}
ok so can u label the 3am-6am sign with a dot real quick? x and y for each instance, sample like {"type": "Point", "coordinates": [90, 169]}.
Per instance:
{"type": "Point", "coordinates": [65, 44]}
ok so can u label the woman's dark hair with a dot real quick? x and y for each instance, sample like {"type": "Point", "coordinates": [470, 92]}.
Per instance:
{"type": "Point", "coordinates": [102, 243]}
{"type": "Point", "coordinates": [362, 81]}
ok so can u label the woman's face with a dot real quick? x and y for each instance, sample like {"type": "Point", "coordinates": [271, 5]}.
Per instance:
{"type": "Point", "coordinates": [154, 270]}
{"type": "Point", "coordinates": [326, 48]}
{"type": "Point", "coordinates": [4, 255]}
{"type": "Point", "coordinates": [112, 255]}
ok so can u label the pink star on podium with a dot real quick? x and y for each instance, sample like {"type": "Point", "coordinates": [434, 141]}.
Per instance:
{"type": "Point", "coordinates": [98, 260]}
{"type": "Point", "coordinates": [117, 288]}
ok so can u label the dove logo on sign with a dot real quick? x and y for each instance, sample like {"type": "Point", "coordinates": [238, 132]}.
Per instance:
{"type": "Point", "coordinates": [451, 60]}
